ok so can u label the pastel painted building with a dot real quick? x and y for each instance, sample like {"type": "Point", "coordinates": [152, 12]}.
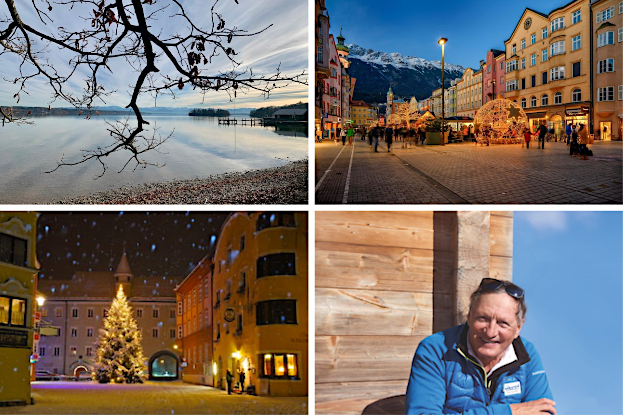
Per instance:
{"type": "Point", "coordinates": [493, 85]}
{"type": "Point", "coordinates": [322, 70]}
{"type": "Point", "coordinates": [362, 114]}
{"type": "Point", "coordinates": [260, 302]}
{"type": "Point", "coordinates": [608, 69]}
{"type": "Point", "coordinates": [18, 278]}
{"type": "Point", "coordinates": [469, 93]}
{"type": "Point", "coordinates": [332, 90]}
{"type": "Point", "coordinates": [78, 305]}
{"type": "Point", "coordinates": [548, 64]}
{"type": "Point", "coordinates": [194, 324]}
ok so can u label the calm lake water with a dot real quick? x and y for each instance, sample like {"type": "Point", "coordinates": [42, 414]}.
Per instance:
{"type": "Point", "coordinates": [199, 147]}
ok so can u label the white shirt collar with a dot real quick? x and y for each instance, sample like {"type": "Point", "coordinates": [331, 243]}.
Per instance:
{"type": "Point", "coordinates": [508, 357]}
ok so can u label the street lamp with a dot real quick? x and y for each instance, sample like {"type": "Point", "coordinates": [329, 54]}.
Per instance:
{"type": "Point", "coordinates": [442, 42]}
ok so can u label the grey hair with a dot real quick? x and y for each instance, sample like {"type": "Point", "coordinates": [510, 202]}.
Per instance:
{"type": "Point", "coordinates": [522, 309]}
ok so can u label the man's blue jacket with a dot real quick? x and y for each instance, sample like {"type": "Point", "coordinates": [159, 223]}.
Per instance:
{"type": "Point", "coordinates": [446, 379]}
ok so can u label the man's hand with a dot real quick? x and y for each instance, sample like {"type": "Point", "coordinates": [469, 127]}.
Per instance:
{"type": "Point", "coordinates": [540, 406]}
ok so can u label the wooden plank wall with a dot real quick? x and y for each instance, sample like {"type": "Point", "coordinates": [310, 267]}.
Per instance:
{"type": "Point", "coordinates": [384, 281]}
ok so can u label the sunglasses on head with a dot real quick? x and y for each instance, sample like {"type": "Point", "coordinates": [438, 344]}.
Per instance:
{"type": "Point", "coordinates": [491, 284]}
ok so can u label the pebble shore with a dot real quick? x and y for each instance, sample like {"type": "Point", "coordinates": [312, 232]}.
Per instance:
{"type": "Point", "coordinates": [286, 184]}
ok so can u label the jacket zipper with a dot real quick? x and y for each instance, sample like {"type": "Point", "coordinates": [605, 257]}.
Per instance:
{"type": "Point", "coordinates": [487, 381]}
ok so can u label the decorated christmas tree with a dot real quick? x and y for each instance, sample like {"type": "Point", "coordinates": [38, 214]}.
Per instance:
{"type": "Point", "coordinates": [119, 351]}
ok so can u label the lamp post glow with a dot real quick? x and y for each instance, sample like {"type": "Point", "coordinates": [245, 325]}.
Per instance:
{"type": "Point", "coordinates": [442, 42]}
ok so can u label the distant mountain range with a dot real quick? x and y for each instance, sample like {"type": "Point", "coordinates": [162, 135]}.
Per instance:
{"type": "Point", "coordinates": [407, 75]}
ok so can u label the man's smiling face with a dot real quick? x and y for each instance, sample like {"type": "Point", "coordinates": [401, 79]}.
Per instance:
{"type": "Point", "coordinates": [493, 326]}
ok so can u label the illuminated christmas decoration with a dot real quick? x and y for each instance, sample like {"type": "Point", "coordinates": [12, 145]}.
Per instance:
{"type": "Point", "coordinates": [408, 112]}
{"type": "Point", "coordinates": [501, 121]}
{"type": "Point", "coordinates": [119, 351]}
{"type": "Point", "coordinates": [394, 119]}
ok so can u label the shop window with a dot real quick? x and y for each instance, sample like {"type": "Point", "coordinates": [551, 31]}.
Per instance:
{"type": "Point", "coordinates": [276, 312]}
{"type": "Point", "coordinates": [276, 264]}
{"type": "Point", "coordinates": [13, 250]}
{"type": "Point", "coordinates": [274, 219]}
{"type": "Point", "coordinates": [279, 365]}
{"type": "Point", "coordinates": [12, 311]}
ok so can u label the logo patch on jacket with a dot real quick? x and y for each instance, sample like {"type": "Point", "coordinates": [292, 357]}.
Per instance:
{"type": "Point", "coordinates": [512, 388]}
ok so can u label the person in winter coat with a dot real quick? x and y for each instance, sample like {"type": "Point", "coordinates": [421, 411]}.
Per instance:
{"type": "Point", "coordinates": [542, 132]}
{"type": "Point", "coordinates": [389, 134]}
{"type": "Point", "coordinates": [229, 378]}
{"type": "Point", "coordinates": [527, 136]}
{"type": "Point", "coordinates": [482, 366]}
{"type": "Point", "coordinates": [583, 139]}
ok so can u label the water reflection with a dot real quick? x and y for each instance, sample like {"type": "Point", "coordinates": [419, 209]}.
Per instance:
{"type": "Point", "coordinates": [199, 147]}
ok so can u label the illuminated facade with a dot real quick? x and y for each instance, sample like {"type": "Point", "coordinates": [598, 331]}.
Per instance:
{"type": "Point", "coordinates": [260, 302]}
{"type": "Point", "coordinates": [469, 93]}
{"type": "Point", "coordinates": [77, 306]}
{"type": "Point", "coordinates": [608, 69]}
{"type": "Point", "coordinates": [548, 64]}
{"type": "Point", "coordinates": [493, 84]}
{"type": "Point", "coordinates": [322, 70]}
{"type": "Point", "coordinates": [194, 324]}
{"type": "Point", "coordinates": [18, 276]}
{"type": "Point", "coordinates": [362, 114]}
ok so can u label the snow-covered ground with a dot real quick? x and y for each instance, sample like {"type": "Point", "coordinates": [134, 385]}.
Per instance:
{"type": "Point", "coordinates": [169, 398]}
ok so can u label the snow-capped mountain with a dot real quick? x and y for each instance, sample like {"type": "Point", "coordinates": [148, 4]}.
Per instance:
{"type": "Point", "coordinates": [407, 75]}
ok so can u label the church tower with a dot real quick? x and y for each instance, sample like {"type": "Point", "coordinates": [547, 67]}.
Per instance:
{"type": "Point", "coordinates": [390, 102]}
{"type": "Point", "coordinates": [123, 276]}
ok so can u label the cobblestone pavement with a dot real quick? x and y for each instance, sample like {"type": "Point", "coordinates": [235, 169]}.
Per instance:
{"type": "Point", "coordinates": [468, 174]}
{"type": "Point", "coordinates": [170, 398]}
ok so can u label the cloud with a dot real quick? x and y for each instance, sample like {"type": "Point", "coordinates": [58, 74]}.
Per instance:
{"type": "Point", "coordinates": [545, 221]}
{"type": "Point", "coordinates": [282, 42]}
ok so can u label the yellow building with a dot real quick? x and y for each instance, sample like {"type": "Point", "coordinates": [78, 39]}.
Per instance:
{"type": "Point", "coordinates": [260, 302]}
{"type": "Point", "coordinates": [18, 276]}
{"type": "Point", "coordinates": [362, 114]}
{"type": "Point", "coordinates": [608, 69]}
{"type": "Point", "coordinates": [469, 93]}
{"type": "Point", "coordinates": [548, 65]}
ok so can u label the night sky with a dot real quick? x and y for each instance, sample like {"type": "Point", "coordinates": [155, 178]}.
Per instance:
{"type": "Point", "coordinates": [157, 243]}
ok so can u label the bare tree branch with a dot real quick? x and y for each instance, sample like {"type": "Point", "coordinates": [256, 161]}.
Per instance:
{"type": "Point", "coordinates": [124, 32]}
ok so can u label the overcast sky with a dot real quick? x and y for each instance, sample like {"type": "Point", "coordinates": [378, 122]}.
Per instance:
{"type": "Point", "coordinates": [413, 28]}
{"type": "Point", "coordinates": [284, 43]}
{"type": "Point", "coordinates": [571, 266]}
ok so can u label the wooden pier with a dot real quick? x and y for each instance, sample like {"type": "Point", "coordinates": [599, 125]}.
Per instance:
{"type": "Point", "coordinates": [243, 121]}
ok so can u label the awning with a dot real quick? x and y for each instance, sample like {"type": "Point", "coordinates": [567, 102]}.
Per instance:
{"type": "Point", "coordinates": [574, 112]}
{"type": "Point", "coordinates": [536, 114]}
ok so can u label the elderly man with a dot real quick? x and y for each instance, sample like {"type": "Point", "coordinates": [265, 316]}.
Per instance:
{"type": "Point", "coordinates": [483, 366]}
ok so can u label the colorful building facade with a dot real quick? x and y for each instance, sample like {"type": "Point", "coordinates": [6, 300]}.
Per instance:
{"type": "Point", "coordinates": [469, 93]}
{"type": "Point", "coordinates": [322, 71]}
{"type": "Point", "coordinates": [548, 64]}
{"type": "Point", "coordinates": [18, 276]}
{"type": "Point", "coordinates": [194, 324]}
{"type": "Point", "coordinates": [362, 114]}
{"type": "Point", "coordinates": [608, 69]}
{"type": "Point", "coordinates": [493, 80]}
{"type": "Point", "coordinates": [260, 303]}
{"type": "Point", "coordinates": [78, 305]}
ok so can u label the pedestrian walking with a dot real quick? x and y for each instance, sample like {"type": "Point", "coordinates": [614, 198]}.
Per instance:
{"type": "Point", "coordinates": [542, 132]}
{"type": "Point", "coordinates": [363, 133]}
{"type": "Point", "coordinates": [350, 133]}
{"type": "Point", "coordinates": [229, 378]}
{"type": "Point", "coordinates": [376, 132]}
{"type": "Point", "coordinates": [574, 147]}
{"type": "Point", "coordinates": [343, 136]}
{"type": "Point", "coordinates": [389, 133]}
{"type": "Point", "coordinates": [422, 135]}
{"type": "Point", "coordinates": [527, 136]}
{"type": "Point", "coordinates": [241, 378]}
{"type": "Point", "coordinates": [568, 131]}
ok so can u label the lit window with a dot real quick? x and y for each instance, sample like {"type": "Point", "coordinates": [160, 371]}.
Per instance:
{"type": "Point", "coordinates": [12, 311]}
{"type": "Point", "coordinates": [280, 365]}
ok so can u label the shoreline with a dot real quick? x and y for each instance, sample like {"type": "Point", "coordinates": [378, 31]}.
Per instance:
{"type": "Point", "coordinates": [287, 184]}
